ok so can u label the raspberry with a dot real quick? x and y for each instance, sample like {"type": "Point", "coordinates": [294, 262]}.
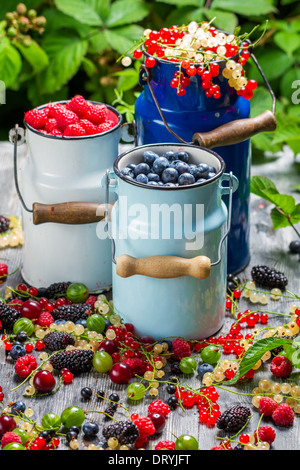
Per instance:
{"type": "Point", "coordinates": [97, 113]}
{"type": "Point", "coordinates": [160, 407]}
{"type": "Point", "coordinates": [281, 366]}
{"type": "Point", "coordinates": [91, 300]}
{"type": "Point", "coordinates": [170, 445]}
{"type": "Point", "coordinates": [267, 406]}
{"type": "Point", "coordinates": [65, 118]}
{"type": "Point", "coordinates": [79, 106]}
{"type": "Point", "coordinates": [25, 365]}
{"type": "Point", "coordinates": [106, 126]}
{"type": "Point", "coordinates": [137, 366]}
{"type": "Point", "coordinates": [283, 415]}
{"type": "Point", "coordinates": [180, 349]}
{"type": "Point", "coordinates": [45, 319]}
{"type": "Point", "coordinates": [56, 132]}
{"type": "Point", "coordinates": [16, 304]}
{"type": "Point", "coordinates": [50, 125]}
{"type": "Point", "coordinates": [74, 130]}
{"type": "Point", "coordinates": [217, 448]}
{"type": "Point", "coordinates": [55, 110]}
{"type": "Point", "coordinates": [145, 426]}
{"type": "Point", "coordinates": [266, 434]}
{"type": "Point", "coordinates": [36, 118]}
{"type": "Point", "coordinates": [9, 437]}
{"type": "Point", "coordinates": [89, 127]}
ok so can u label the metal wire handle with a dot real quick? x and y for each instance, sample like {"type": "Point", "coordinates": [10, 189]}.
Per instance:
{"type": "Point", "coordinates": [113, 244]}
{"type": "Point", "coordinates": [17, 137]}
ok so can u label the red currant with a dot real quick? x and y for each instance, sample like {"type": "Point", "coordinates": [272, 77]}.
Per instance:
{"type": "Point", "coordinates": [150, 62]}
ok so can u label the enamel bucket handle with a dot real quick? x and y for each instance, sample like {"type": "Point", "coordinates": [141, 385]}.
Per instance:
{"type": "Point", "coordinates": [168, 266]}
{"type": "Point", "coordinates": [233, 132]}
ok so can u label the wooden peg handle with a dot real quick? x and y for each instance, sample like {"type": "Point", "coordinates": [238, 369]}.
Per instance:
{"type": "Point", "coordinates": [71, 213]}
{"type": "Point", "coordinates": [163, 266]}
{"type": "Point", "coordinates": [236, 131]}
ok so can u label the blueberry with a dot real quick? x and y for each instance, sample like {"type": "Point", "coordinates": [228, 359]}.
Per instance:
{"type": "Point", "coordinates": [21, 336]}
{"type": "Point", "coordinates": [131, 166]}
{"type": "Point", "coordinates": [186, 178]}
{"type": "Point", "coordinates": [170, 184]}
{"type": "Point", "coordinates": [142, 178]}
{"type": "Point", "coordinates": [160, 164]}
{"type": "Point", "coordinates": [201, 180]}
{"type": "Point", "coordinates": [153, 177]}
{"type": "Point", "coordinates": [210, 174]}
{"type": "Point", "coordinates": [180, 166]}
{"type": "Point", "coordinates": [203, 368]}
{"type": "Point", "coordinates": [149, 157]}
{"type": "Point", "coordinates": [17, 351]}
{"type": "Point", "coordinates": [294, 246]}
{"type": "Point", "coordinates": [18, 407]}
{"type": "Point", "coordinates": [90, 429]}
{"type": "Point", "coordinates": [204, 169]}
{"type": "Point", "coordinates": [182, 155]}
{"type": "Point", "coordinates": [60, 322]}
{"type": "Point", "coordinates": [82, 322]}
{"type": "Point", "coordinates": [169, 175]}
{"type": "Point", "coordinates": [160, 183]}
{"type": "Point", "coordinates": [152, 183]}
{"type": "Point", "coordinates": [143, 168]}
{"type": "Point", "coordinates": [196, 171]}
{"type": "Point", "coordinates": [171, 156]}
{"type": "Point", "coordinates": [127, 172]}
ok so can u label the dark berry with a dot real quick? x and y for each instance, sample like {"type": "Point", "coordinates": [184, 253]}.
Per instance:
{"type": "Point", "coordinates": [114, 397]}
{"type": "Point", "coordinates": [86, 393]}
{"type": "Point", "coordinates": [234, 418]}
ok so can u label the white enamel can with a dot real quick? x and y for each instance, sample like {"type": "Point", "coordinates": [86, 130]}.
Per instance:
{"type": "Point", "coordinates": [60, 170]}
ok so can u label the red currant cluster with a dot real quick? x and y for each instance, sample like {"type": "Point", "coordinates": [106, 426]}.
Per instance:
{"type": "Point", "coordinates": [199, 49]}
{"type": "Point", "coordinates": [40, 443]}
{"type": "Point", "coordinates": [206, 401]}
{"type": "Point", "coordinates": [1, 394]}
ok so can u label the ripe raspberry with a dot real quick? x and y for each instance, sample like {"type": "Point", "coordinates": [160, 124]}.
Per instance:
{"type": "Point", "coordinates": [79, 106]}
{"type": "Point", "coordinates": [145, 426]}
{"type": "Point", "coordinates": [97, 113]}
{"type": "Point", "coordinates": [180, 349]}
{"type": "Point", "coordinates": [36, 118]}
{"type": "Point", "coordinates": [65, 118]}
{"type": "Point", "coordinates": [9, 437]}
{"type": "Point", "coordinates": [266, 434]}
{"type": "Point", "coordinates": [137, 366]}
{"type": "Point", "coordinates": [281, 366]}
{"type": "Point", "coordinates": [165, 445]}
{"type": "Point", "coordinates": [50, 125]}
{"type": "Point", "coordinates": [283, 415]}
{"type": "Point", "coordinates": [55, 110]}
{"type": "Point", "coordinates": [91, 300]}
{"type": "Point", "coordinates": [267, 406]}
{"type": "Point", "coordinates": [45, 319]}
{"type": "Point", "coordinates": [160, 407]}
{"type": "Point", "coordinates": [56, 132]}
{"type": "Point", "coordinates": [106, 126]}
{"type": "Point", "coordinates": [25, 365]}
{"type": "Point", "coordinates": [217, 448]}
{"type": "Point", "coordinates": [74, 130]}
{"type": "Point", "coordinates": [89, 127]}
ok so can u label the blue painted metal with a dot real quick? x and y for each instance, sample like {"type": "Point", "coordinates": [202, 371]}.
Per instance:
{"type": "Point", "coordinates": [193, 113]}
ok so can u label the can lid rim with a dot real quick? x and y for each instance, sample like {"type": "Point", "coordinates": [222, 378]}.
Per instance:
{"type": "Point", "coordinates": [170, 188]}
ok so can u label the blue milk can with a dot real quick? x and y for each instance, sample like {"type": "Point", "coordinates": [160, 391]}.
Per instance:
{"type": "Point", "coordinates": [170, 248]}
{"type": "Point", "coordinates": [162, 116]}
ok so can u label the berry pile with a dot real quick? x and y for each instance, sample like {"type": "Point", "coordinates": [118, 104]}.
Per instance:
{"type": "Point", "coordinates": [170, 169]}
{"type": "Point", "coordinates": [201, 51]}
{"type": "Point", "coordinates": [75, 118]}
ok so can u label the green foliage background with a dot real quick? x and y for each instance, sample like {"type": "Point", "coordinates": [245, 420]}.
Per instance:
{"type": "Point", "coordinates": [83, 39]}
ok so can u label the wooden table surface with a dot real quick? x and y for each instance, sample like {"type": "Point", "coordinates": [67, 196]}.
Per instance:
{"type": "Point", "coordinates": [267, 247]}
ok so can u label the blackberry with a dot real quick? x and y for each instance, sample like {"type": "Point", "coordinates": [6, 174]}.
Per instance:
{"type": "Point", "coordinates": [8, 316]}
{"type": "Point", "coordinates": [72, 312]}
{"type": "Point", "coordinates": [56, 340]}
{"type": "Point", "coordinates": [279, 349]}
{"type": "Point", "coordinates": [76, 360]}
{"type": "Point", "coordinates": [110, 410]}
{"type": "Point", "coordinates": [4, 224]}
{"type": "Point", "coordinates": [126, 432]}
{"type": "Point", "coordinates": [234, 418]}
{"type": "Point", "coordinates": [268, 277]}
{"type": "Point", "coordinates": [56, 289]}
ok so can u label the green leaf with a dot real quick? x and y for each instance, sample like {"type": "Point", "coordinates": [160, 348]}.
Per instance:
{"type": "Point", "coordinates": [98, 43]}
{"type": "Point", "coordinates": [122, 39]}
{"type": "Point", "coordinates": [34, 55]}
{"type": "Point", "coordinates": [279, 220]}
{"type": "Point", "coordinates": [57, 20]}
{"type": "Point", "coordinates": [124, 12]}
{"type": "Point", "coordinates": [263, 187]}
{"type": "Point", "coordinates": [273, 61]}
{"type": "Point", "coordinates": [10, 63]}
{"type": "Point", "coordinates": [288, 42]}
{"type": "Point", "coordinates": [227, 21]}
{"type": "Point", "coordinates": [82, 10]}
{"type": "Point", "coordinates": [66, 53]}
{"type": "Point", "coordinates": [255, 352]}
{"type": "Point", "coordinates": [297, 187]}
{"type": "Point", "coordinates": [286, 83]}
{"type": "Point", "coordinates": [246, 7]}
{"type": "Point", "coordinates": [128, 79]}
{"type": "Point", "coordinates": [182, 3]}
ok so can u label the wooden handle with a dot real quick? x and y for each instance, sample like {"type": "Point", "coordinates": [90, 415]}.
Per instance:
{"type": "Point", "coordinates": [71, 213]}
{"type": "Point", "coordinates": [163, 267]}
{"type": "Point", "coordinates": [236, 131]}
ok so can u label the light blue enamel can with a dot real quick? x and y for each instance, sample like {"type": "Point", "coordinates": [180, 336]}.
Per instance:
{"type": "Point", "coordinates": [170, 248]}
